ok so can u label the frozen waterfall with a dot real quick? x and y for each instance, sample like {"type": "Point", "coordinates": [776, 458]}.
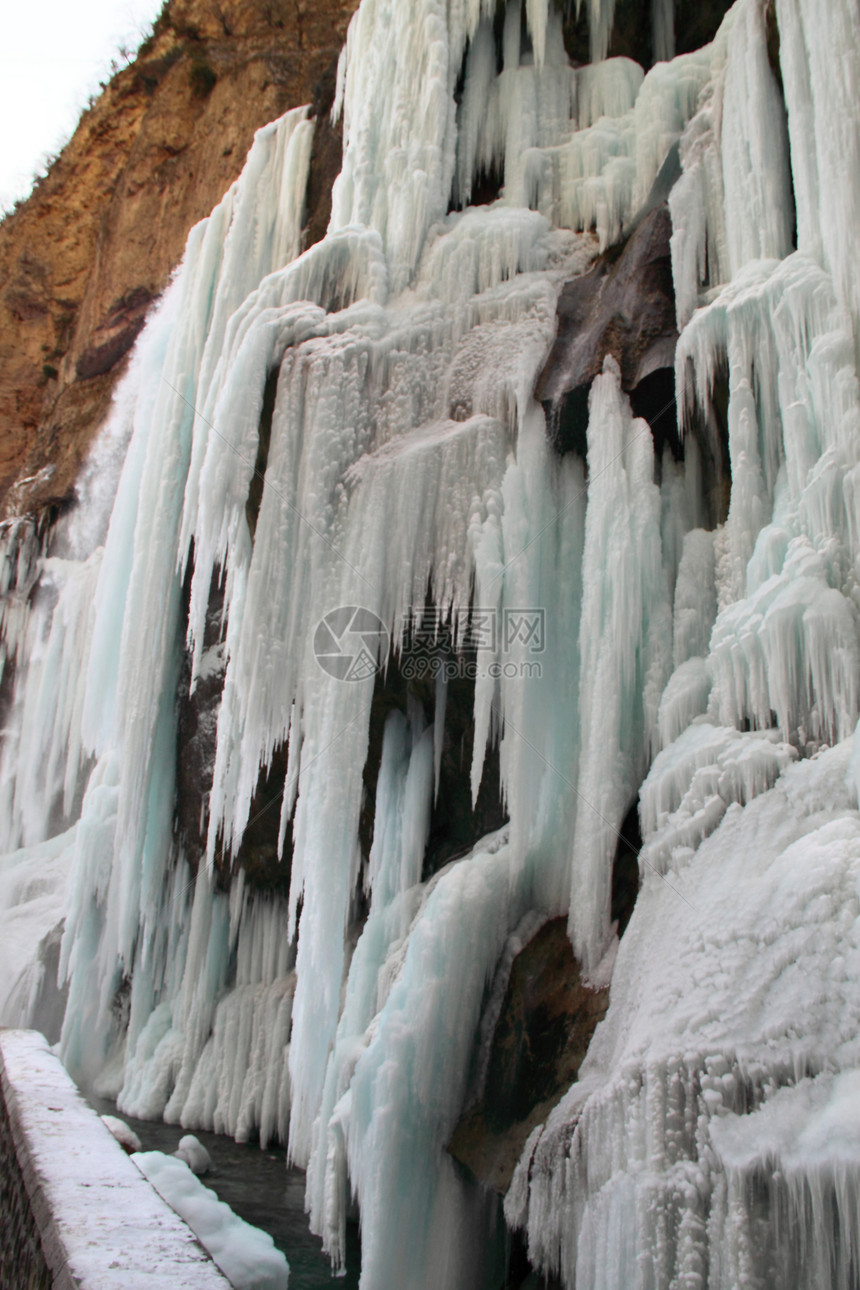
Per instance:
{"type": "Point", "coordinates": [321, 457]}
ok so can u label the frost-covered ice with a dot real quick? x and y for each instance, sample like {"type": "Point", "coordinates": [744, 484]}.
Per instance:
{"type": "Point", "coordinates": [734, 996]}
{"type": "Point", "coordinates": [246, 1256]}
{"type": "Point", "coordinates": [699, 652]}
{"type": "Point", "coordinates": [33, 900]}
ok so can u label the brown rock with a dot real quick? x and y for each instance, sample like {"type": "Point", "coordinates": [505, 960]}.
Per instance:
{"type": "Point", "coordinates": [83, 257]}
{"type": "Point", "coordinates": [624, 306]}
{"type": "Point", "coordinates": [542, 1035]}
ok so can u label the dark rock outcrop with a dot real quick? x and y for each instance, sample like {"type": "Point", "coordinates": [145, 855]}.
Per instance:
{"type": "Point", "coordinates": [696, 23]}
{"type": "Point", "coordinates": [624, 306]}
{"type": "Point", "coordinates": [114, 337]}
{"type": "Point", "coordinates": [541, 1037]}
{"type": "Point", "coordinates": [455, 825]}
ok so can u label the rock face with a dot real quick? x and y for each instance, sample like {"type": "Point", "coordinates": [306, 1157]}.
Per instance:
{"type": "Point", "coordinates": [83, 258]}
{"type": "Point", "coordinates": [541, 1037]}
{"type": "Point", "coordinates": [696, 22]}
{"type": "Point", "coordinates": [81, 262]}
{"type": "Point", "coordinates": [625, 306]}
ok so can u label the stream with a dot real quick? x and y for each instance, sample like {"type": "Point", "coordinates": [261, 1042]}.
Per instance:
{"type": "Point", "coordinates": [260, 1187]}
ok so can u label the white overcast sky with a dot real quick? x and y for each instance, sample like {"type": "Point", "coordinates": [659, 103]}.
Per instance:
{"type": "Point", "coordinates": [53, 53]}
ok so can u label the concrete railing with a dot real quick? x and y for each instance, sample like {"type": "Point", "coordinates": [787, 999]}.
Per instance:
{"type": "Point", "coordinates": [75, 1212]}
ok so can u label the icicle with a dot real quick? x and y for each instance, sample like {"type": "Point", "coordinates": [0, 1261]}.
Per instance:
{"type": "Point", "coordinates": [624, 645]}
{"type": "Point", "coordinates": [411, 1114]}
{"type": "Point", "coordinates": [537, 16]}
{"type": "Point", "coordinates": [757, 182]}
{"type": "Point", "coordinates": [601, 14]}
{"type": "Point", "coordinates": [663, 29]}
{"type": "Point", "coordinates": [779, 587]}
{"type": "Point", "coordinates": [821, 90]}
{"type": "Point", "coordinates": [398, 146]}
{"type": "Point", "coordinates": [734, 202]}
{"type": "Point", "coordinates": [439, 730]}
{"type": "Point", "coordinates": [402, 815]}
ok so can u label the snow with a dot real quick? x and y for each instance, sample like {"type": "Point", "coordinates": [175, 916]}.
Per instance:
{"type": "Point", "coordinates": [193, 1153]}
{"type": "Point", "coordinates": [33, 902]}
{"type": "Point", "coordinates": [246, 1256]}
{"type": "Point", "coordinates": [125, 1136]}
{"type": "Point", "coordinates": [100, 1221]}
{"type": "Point", "coordinates": [678, 637]}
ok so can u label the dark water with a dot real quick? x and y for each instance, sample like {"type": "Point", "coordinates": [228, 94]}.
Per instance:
{"type": "Point", "coordinates": [260, 1188]}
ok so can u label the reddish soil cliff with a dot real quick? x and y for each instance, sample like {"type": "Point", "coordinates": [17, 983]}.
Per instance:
{"type": "Point", "coordinates": [82, 259]}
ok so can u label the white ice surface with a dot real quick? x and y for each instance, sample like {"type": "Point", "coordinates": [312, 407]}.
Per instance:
{"type": "Point", "coordinates": [736, 979]}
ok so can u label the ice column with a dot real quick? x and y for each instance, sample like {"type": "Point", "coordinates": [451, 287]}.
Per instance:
{"type": "Point", "coordinates": [625, 646]}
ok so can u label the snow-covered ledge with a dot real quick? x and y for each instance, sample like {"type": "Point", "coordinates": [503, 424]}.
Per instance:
{"type": "Point", "coordinates": [69, 1188]}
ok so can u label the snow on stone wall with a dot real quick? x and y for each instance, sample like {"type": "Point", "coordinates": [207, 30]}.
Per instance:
{"type": "Point", "coordinates": [85, 1218]}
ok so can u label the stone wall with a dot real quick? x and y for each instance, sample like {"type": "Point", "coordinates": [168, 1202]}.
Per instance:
{"type": "Point", "coordinates": [75, 1211]}
{"type": "Point", "coordinates": [22, 1262]}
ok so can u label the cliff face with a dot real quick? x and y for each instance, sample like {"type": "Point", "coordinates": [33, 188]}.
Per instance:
{"type": "Point", "coordinates": [82, 259]}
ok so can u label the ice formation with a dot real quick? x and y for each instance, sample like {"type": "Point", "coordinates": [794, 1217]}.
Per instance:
{"type": "Point", "coordinates": [684, 633]}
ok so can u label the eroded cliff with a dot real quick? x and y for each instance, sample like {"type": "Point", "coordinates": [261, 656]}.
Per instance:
{"type": "Point", "coordinates": [83, 258]}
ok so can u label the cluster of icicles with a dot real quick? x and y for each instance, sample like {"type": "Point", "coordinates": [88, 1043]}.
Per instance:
{"type": "Point", "coordinates": [713, 1137]}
